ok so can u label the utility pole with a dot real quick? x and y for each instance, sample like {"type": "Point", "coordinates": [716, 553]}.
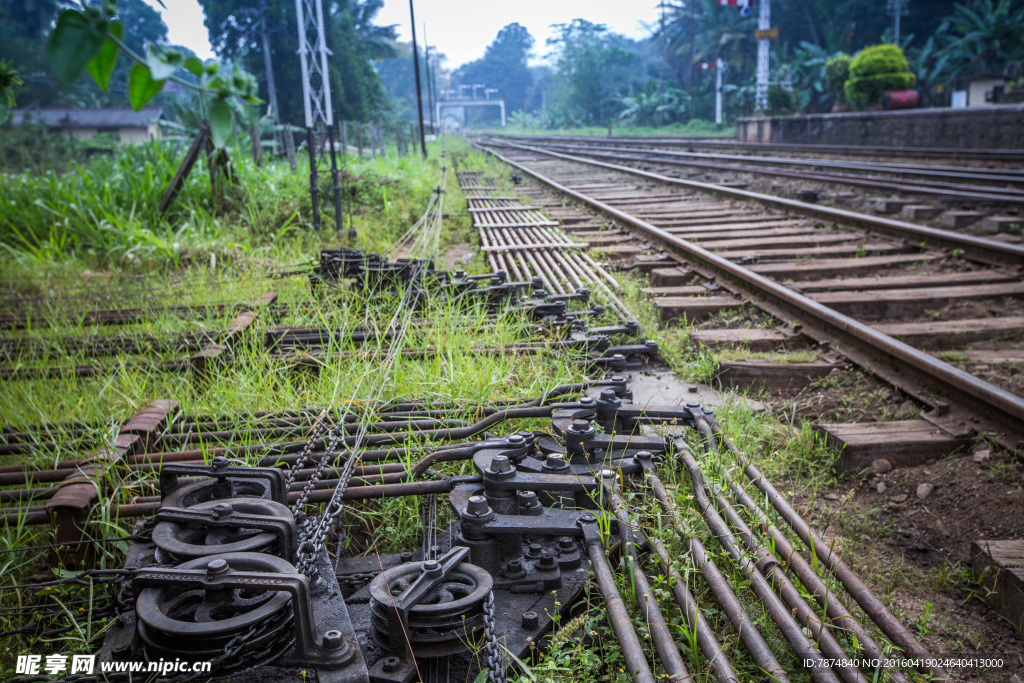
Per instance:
{"type": "Point", "coordinates": [720, 67]}
{"type": "Point", "coordinates": [419, 90]}
{"type": "Point", "coordinates": [316, 98]}
{"type": "Point", "coordinates": [693, 53]}
{"type": "Point", "coordinates": [764, 23]}
{"type": "Point", "coordinates": [268, 65]}
{"type": "Point", "coordinates": [896, 9]}
{"type": "Point", "coordinates": [430, 78]}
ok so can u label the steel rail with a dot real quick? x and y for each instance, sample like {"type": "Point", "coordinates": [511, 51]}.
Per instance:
{"type": "Point", "coordinates": [621, 624]}
{"type": "Point", "coordinates": [746, 627]}
{"type": "Point", "coordinates": [821, 670]}
{"type": "Point", "coordinates": [664, 643]}
{"type": "Point", "coordinates": [872, 606]}
{"type": "Point", "coordinates": [983, 249]}
{"type": "Point", "coordinates": [803, 570]}
{"type": "Point", "coordinates": [784, 588]}
{"type": "Point", "coordinates": [721, 142]}
{"type": "Point", "coordinates": [923, 170]}
{"type": "Point", "coordinates": [942, 190]}
{"type": "Point", "coordinates": [933, 381]}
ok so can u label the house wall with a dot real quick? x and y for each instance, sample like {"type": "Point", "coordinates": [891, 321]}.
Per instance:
{"type": "Point", "coordinates": [979, 88]}
{"type": "Point", "coordinates": [991, 127]}
{"type": "Point", "coordinates": [128, 135]}
{"type": "Point", "coordinates": [135, 136]}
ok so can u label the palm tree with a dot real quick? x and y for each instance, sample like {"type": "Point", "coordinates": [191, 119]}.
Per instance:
{"type": "Point", "coordinates": [981, 38]}
{"type": "Point", "coordinates": [718, 32]}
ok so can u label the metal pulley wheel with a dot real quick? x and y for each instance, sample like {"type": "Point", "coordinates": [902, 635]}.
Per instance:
{"type": "Point", "coordinates": [251, 625]}
{"type": "Point", "coordinates": [444, 620]}
{"type": "Point", "coordinates": [178, 541]}
{"type": "Point", "coordinates": [218, 490]}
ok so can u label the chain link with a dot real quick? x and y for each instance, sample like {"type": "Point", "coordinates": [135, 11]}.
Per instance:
{"type": "Point", "coordinates": [318, 430]}
{"type": "Point", "coordinates": [313, 530]}
{"type": "Point", "coordinates": [492, 655]}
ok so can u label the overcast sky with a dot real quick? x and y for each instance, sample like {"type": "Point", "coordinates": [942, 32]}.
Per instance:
{"type": "Point", "coordinates": [461, 29]}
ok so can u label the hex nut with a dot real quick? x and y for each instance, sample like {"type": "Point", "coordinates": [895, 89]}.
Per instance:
{"type": "Point", "coordinates": [332, 640]}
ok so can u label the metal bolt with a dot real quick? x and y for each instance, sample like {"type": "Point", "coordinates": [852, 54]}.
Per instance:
{"type": "Point", "coordinates": [222, 510]}
{"type": "Point", "coordinates": [530, 620]}
{"type": "Point", "coordinates": [644, 455]}
{"type": "Point", "coordinates": [516, 439]}
{"type": "Point", "coordinates": [121, 650]}
{"type": "Point", "coordinates": [534, 550]}
{"type": "Point", "coordinates": [692, 390]}
{"type": "Point", "coordinates": [586, 401]}
{"type": "Point", "coordinates": [618, 378]}
{"type": "Point", "coordinates": [515, 565]}
{"type": "Point", "coordinates": [547, 560]}
{"type": "Point", "coordinates": [390, 665]}
{"type": "Point", "coordinates": [477, 506]}
{"type": "Point", "coordinates": [332, 640]}
{"type": "Point", "coordinates": [528, 498]}
{"type": "Point", "coordinates": [607, 474]}
{"type": "Point", "coordinates": [554, 461]}
{"type": "Point", "coordinates": [608, 395]}
{"type": "Point", "coordinates": [581, 425]}
{"type": "Point", "coordinates": [431, 566]}
{"type": "Point", "coordinates": [500, 463]}
{"type": "Point", "coordinates": [220, 462]}
{"type": "Point", "coordinates": [216, 567]}
{"type": "Point", "coordinates": [692, 404]}
{"type": "Point", "coordinates": [566, 543]}
{"type": "Point", "coordinates": [587, 517]}
{"type": "Point", "coordinates": [406, 557]}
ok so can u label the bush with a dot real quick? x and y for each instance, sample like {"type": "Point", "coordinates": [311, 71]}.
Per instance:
{"type": "Point", "coordinates": [877, 69]}
{"type": "Point", "coordinates": [780, 99]}
{"type": "Point", "coordinates": [837, 72]}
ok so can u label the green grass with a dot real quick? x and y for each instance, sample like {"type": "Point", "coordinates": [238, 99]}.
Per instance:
{"type": "Point", "coordinates": [248, 242]}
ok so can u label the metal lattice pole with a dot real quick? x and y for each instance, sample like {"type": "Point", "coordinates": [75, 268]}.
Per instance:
{"type": "Point", "coordinates": [764, 22]}
{"type": "Point", "coordinates": [316, 96]}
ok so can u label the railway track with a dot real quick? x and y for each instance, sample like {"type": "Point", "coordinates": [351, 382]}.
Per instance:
{"type": "Point", "coordinates": [987, 157]}
{"type": "Point", "coordinates": [238, 551]}
{"type": "Point", "coordinates": [977, 200]}
{"type": "Point", "coordinates": [858, 291]}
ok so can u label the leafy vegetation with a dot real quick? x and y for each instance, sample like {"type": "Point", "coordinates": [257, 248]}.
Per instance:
{"type": "Point", "coordinates": [104, 210]}
{"type": "Point", "coordinates": [875, 70]}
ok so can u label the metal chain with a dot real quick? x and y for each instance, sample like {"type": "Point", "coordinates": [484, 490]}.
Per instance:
{"type": "Point", "coordinates": [329, 448]}
{"type": "Point", "coordinates": [318, 430]}
{"type": "Point", "coordinates": [492, 656]}
{"type": "Point", "coordinates": [359, 579]}
{"type": "Point", "coordinates": [313, 532]}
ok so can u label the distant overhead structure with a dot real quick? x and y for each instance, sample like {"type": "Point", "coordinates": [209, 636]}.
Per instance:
{"type": "Point", "coordinates": [458, 104]}
{"type": "Point", "coordinates": [764, 23]}
{"type": "Point", "coordinates": [316, 100]}
{"type": "Point", "coordinates": [897, 9]}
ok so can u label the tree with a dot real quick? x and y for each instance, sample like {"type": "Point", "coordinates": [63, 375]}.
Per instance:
{"type": "Point", "coordinates": [24, 27]}
{"type": "Point", "coordinates": [234, 28]}
{"type": "Point", "coordinates": [503, 66]}
{"type": "Point", "coordinates": [355, 41]}
{"type": "Point", "coordinates": [837, 71]}
{"type": "Point", "coordinates": [876, 69]}
{"type": "Point", "coordinates": [595, 68]}
{"type": "Point", "coordinates": [981, 38]}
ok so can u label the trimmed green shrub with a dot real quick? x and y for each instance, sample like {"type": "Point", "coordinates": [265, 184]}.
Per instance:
{"type": "Point", "coordinates": [876, 69]}
{"type": "Point", "coordinates": [837, 71]}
